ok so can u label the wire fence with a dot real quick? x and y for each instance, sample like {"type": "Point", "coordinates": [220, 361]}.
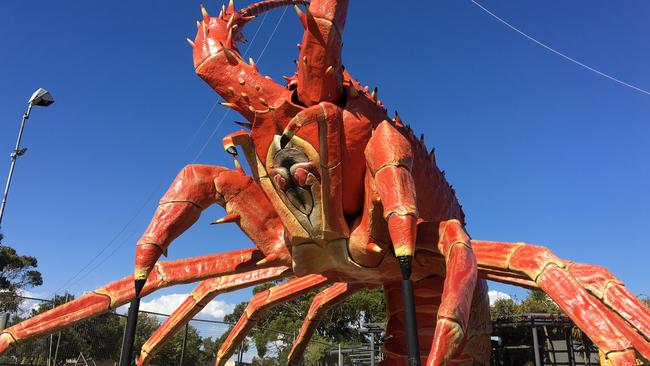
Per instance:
{"type": "Point", "coordinates": [528, 339]}
{"type": "Point", "coordinates": [97, 341]}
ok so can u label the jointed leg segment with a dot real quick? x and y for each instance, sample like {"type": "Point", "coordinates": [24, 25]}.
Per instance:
{"type": "Point", "coordinates": [322, 302]}
{"type": "Point", "coordinates": [205, 292]}
{"type": "Point", "coordinates": [120, 292]}
{"type": "Point", "coordinates": [262, 302]}
{"type": "Point", "coordinates": [460, 282]}
{"type": "Point", "coordinates": [197, 187]}
{"type": "Point", "coordinates": [603, 326]}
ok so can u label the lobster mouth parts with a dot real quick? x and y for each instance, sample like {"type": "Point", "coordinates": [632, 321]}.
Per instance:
{"type": "Point", "coordinates": [295, 175]}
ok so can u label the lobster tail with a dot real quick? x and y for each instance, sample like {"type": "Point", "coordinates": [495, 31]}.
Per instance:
{"type": "Point", "coordinates": [266, 5]}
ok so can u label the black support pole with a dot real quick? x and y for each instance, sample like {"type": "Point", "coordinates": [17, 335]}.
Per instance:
{"type": "Point", "coordinates": [409, 311]}
{"type": "Point", "coordinates": [131, 323]}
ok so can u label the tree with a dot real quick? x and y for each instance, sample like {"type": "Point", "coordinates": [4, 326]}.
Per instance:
{"type": "Point", "coordinates": [273, 336]}
{"type": "Point", "coordinates": [504, 308]}
{"type": "Point", "coordinates": [539, 302]}
{"type": "Point", "coordinates": [99, 337]}
{"type": "Point", "coordinates": [16, 273]}
{"type": "Point", "coordinates": [197, 351]}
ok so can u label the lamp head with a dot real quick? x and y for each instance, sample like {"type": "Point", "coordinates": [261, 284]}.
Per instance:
{"type": "Point", "coordinates": [41, 97]}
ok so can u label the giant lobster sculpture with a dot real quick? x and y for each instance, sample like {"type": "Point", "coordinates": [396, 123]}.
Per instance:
{"type": "Point", "coordinates": [341, 198]}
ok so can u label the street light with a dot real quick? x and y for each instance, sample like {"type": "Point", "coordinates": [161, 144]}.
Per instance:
{"type": "Point", "coordinates": [42, 98]}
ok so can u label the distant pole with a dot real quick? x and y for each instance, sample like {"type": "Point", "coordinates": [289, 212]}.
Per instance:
{"type": "Point", "coordinates": [49, 354]}
{"type": "Point", "coordinates": [538, 361]}
{"type": "Point", "coordinates": [240, 356]}
{"type": "Point", "coordinates": [372, 349]}
{"type": "Point", "coordinates": [58, 339]}
{"type": "Point", "coordinates": [14, 156]}
{"type": "Point", "coordinates": [340, 356]}
{"type": "Point", "coordinates": [41, 97]}
{"type": "Point", "coordinates": [569, 346]}
{"type": "Point", "coordinates": [187, 325]}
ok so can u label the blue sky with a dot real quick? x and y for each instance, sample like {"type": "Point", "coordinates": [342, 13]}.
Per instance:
{"type": "Point", "coordinates": [538, 149]}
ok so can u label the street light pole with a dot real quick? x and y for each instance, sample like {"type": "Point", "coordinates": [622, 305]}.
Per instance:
{"type": "Point", "coordinates": [41, 97]}
{"type": "Point", "coordinates": [14, 156]}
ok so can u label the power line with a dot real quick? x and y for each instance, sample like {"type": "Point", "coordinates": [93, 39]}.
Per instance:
{"type": "Point", "coordinates": [69, 283]}
{"type": "Point", "coordinates": [549, 48]}
{"type": "Point", "coordinates": [128, 223]}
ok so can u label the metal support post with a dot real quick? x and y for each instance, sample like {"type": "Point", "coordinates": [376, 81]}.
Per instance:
{"type": "Point", "coordinates": [240, 356]}
{"type": "Point", "coordinates": [58, 339]}
{"type": "Point", "coordinates": [538, 361]}
{"type": "Point", "coordinates": [49, 353]}
{"type": "Point", "coordinates": [14, 156]}
{"type": "Point", "coordinates": [569, 346]}
{"type": "Point", "coordinates": [131, 325]}
{"type": "Point", "coordinates": [372, 349]}
{"type": "Point", "coordinates": [340, 356]}
{"type": "Point", "coordinates": [187, 328]}
{"type": "Point", "coordinates": [409, 312]}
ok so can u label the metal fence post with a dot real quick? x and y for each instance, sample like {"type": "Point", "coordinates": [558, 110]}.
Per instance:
{"type": "Point", "coordinates": [49, 353]}
{"type": "Point", "coordinates": [538, 361]}
{"type": "Point", "coordinates": [58, 339]}
{"type": "Point", "coordinates": [340, 356]}
{"type": "Point", "coordinates": [240, 356]}
{"type": "Point", "coordinates": [372, 349]}
{"type": "Point", "coordinates": [187, 325]}
{"type": "Point", "coordinates": [569, 346]}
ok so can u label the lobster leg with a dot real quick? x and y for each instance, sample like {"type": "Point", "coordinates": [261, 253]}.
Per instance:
{"type": "Point", "coordinates": [195, 188]}
{"type": "Point", "coordinates": [612, 292]}
{"type": "Point", "coordinates": [320, 73]}
{"type": "Point", "coordinates": [205, 292]}
{"type": "Point", "coordinates": [322, 302]}
{"type": "Point", "coordinates": [389, 158]}
{"type": "Point", "coordinates": [262, 302]}
{"type": "Point", "coordinates": [122, 291]}
{"type": "Point", "coordinates": [611, 333]}
{"type": "Point", "coordinates": [391, 169]}
{"type": "Point", "coordinates": [460, 281]}
{"type": "Point", "coordinates": [477, 345]}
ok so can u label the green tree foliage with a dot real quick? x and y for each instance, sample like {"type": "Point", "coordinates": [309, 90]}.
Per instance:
{"type": "Point", "coordinates": [504, 308]}
{"type": "Point", "coordinates": [273, 337]}
{"type": "Point", "coordinates": [16, 273]}
{"type": "Point", "coordinates": [539, 302]}
{"type": "Point", "coordinates": [508, 312]}
{"type": "Point", "coordinates": [198, 351]}
{"type": "Point", "coordinates": [536, 302]}
{"type": "Point", "coordinates": [98, 337]}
